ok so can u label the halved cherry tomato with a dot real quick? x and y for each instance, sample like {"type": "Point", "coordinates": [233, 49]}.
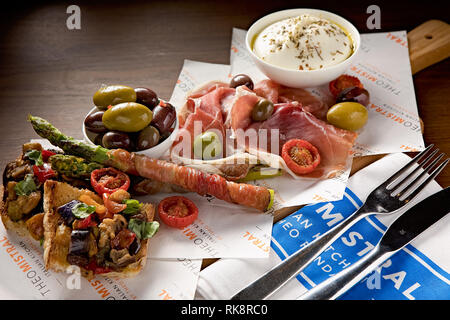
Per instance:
{"type": "Point", "coordinates": [108, 180]}
{"type": "Point", "coordinates": [123, 239]}
{"type": "Point", "coordinates": [47, 154]}
{"type": "Point", "coordinates": [112, 207]}
{"type": "Point", "coordinates": [177, 211]}
{"type": "Point", "coordinates": [300, 156]}
{"type": "Point", "coordinates": [43, 172]}
{"type": "Point", "coordinates": [343, 82]}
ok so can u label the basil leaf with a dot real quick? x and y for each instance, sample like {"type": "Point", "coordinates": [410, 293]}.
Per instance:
{"type": "Point", "coordinates": [143, 229]}
{"type": "Point", "coordinates": [36, 156]}
{"type": "Point", "coordinates": [133, 206]}
{"type": "Point", "coordinates": [82, 210]}
{"type": "Point", "coordinates": [26, 186]}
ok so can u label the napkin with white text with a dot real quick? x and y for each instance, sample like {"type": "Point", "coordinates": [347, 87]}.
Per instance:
{"type": "Point", "coordinates": [419, 271]}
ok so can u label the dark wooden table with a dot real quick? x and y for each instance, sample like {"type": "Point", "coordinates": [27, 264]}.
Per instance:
{"type": "Point", "coordinates": [50, 71]}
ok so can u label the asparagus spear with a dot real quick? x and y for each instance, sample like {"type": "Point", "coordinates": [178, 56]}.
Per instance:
{"type": "Point", "coordinates": [68, 144]}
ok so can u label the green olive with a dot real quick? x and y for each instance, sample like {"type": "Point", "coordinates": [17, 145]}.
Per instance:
{"type": "Point", "coordinates": [348, 115]}
{"type": "Point", "coordinates": [112, 95]}
{"type": "Point", "coordinates": [207, 146]}
{"type": "Point", "coordinates": [262, 110]}
{"type": "Point", "coordinates": [127, 117]}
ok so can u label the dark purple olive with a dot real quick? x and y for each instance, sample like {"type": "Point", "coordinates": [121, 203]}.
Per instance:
{"type": "Point", "coordinates": [163, 117]}
{"type": "Point", "coordinates": [93, 122]}
{"type": "Point", "coordinates": [79, 247]}
{"type": "Point", "coordinates": [148, 137]}
{"type": "Point", "coordinates": [117, 140]}
{"type": "Point", "coordinates": [65, 211]}
{"type": "Point", "coordinates": [98, 139]}
{"type": "Point", "coordinates": [241, 80]}
{"type": "Point", "coordinates": [354, 94]}
{"type": "Point", "coordinates": [147, 97]}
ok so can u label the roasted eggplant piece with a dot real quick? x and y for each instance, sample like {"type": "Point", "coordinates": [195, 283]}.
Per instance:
{"type": "Point", "coordinates": [79, 247]}
{"type": "Point", "coordinates": [66, 212]}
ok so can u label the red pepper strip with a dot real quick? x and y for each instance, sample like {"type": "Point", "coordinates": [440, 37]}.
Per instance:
{"type": "Point", "coordinates": [93, 266]}
{"type": "Point", "coordinates": [85, 223]}
{"type": "Point", "coordinates": [43, 172]}
{"type": "Point", "coordinates": [47, 154]}
{"type": "Point", "coordinates": [112, 207]}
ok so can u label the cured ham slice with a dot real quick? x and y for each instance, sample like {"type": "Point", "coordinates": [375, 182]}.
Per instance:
{"type": "Point", "coordinates": [281, 94]}
{"type": "Point", "coordinates": [203, 113]}
{"type": "Point", "coordinates": [293, 122]}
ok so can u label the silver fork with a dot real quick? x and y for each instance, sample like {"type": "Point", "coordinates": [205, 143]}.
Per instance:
{"type": "Point", "coordinates": [387, 198]}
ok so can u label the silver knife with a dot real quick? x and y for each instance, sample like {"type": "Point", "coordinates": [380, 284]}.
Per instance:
{"type": "Point", "coordinates": [404, 229]}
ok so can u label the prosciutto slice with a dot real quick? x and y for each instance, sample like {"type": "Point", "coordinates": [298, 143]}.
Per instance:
{"type": "Point", "coordinates": [297, 115]}
{"type": "Point", "coordinates": [293, 122]}
{"type": "Point", "coordinates": [281, 94]}
{"type": "Point", "coordinates": [205, 109]}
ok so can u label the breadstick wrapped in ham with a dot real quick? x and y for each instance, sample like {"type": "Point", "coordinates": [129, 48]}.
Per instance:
{"type": "Point", "coordinates": [190, 179]}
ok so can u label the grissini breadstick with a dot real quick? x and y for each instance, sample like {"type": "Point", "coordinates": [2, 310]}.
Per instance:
{"type": "Point", "coordinates": [191, 179]}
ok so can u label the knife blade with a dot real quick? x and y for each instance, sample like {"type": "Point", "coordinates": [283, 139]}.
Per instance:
{"type": "Point", "coordinates": [417, 219]}
{"type": "Point", "coordinates": [401, 232]}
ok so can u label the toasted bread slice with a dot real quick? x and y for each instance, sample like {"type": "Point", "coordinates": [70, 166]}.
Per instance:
{"type": "Point", "coordinates": [57, 234]}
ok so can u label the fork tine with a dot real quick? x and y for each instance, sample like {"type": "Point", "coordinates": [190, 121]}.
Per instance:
{"type": "Point", "coordinates": [426, 170]}
{"type": "Point", "coordinates": [391, 185]}
{"type": "Point", "coordinates": [414, 172]}
{"type": "Point", "coordinates": [428, 180]}
{"type": "Point", "coordinates": [417, 158]}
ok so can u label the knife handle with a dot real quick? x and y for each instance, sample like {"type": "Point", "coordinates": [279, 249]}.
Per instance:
{"type": "Point", "coordinates": [273, 280]}
{"type": "Point", "coordinates": [337, 285]}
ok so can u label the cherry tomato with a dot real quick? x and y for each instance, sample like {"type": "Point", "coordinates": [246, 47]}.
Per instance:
{"type": "Point", "coordinates": [343, 82]}
{"type": "Point", "coordinates": [43, 172]}
{"type": "Point", "coordinates": [123, 239]}
{"type": "Point", "coordinates": [109, 180]}
{"type": "Point", "coordinates": [177, 211]}
{"type": "Point", "coordinates": [300, 156]}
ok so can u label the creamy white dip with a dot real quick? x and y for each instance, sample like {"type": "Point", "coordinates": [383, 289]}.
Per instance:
{"type": "Point", "coordinates": [305, 42]}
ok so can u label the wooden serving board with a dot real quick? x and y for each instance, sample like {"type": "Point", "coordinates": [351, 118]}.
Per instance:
{"type": "Point", "coordinates": [428, 44]}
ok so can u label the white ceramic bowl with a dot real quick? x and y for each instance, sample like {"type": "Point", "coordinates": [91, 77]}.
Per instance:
{"type": "Point", "coordinates": [301, 78]}
{"type": "Point", "coordinates": [155, 152]}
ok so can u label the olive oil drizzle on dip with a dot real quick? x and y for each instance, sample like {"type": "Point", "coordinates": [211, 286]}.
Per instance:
{"type": "Point", "coordinates": [305, 42]}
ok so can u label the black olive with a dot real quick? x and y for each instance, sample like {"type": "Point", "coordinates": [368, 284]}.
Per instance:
{"type": "Point", "coordinates": [148, 137]}
{"type": "Point", "coordinates": [147, 97]}
{"type": "Point", "coordinates": [94, 123]}
{"type": "Point", "coordinates": [241, 80]}
{"type": "Point", "coordinates": [354, 94]}
{"type": "Point", "coordinates": [164, 117]}
{"type": "Point", "coordinates": [117, 140]}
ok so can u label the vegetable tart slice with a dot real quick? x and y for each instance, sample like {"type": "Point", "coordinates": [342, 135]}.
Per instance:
{"type": "Point", "coordinates": [106, 235]}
